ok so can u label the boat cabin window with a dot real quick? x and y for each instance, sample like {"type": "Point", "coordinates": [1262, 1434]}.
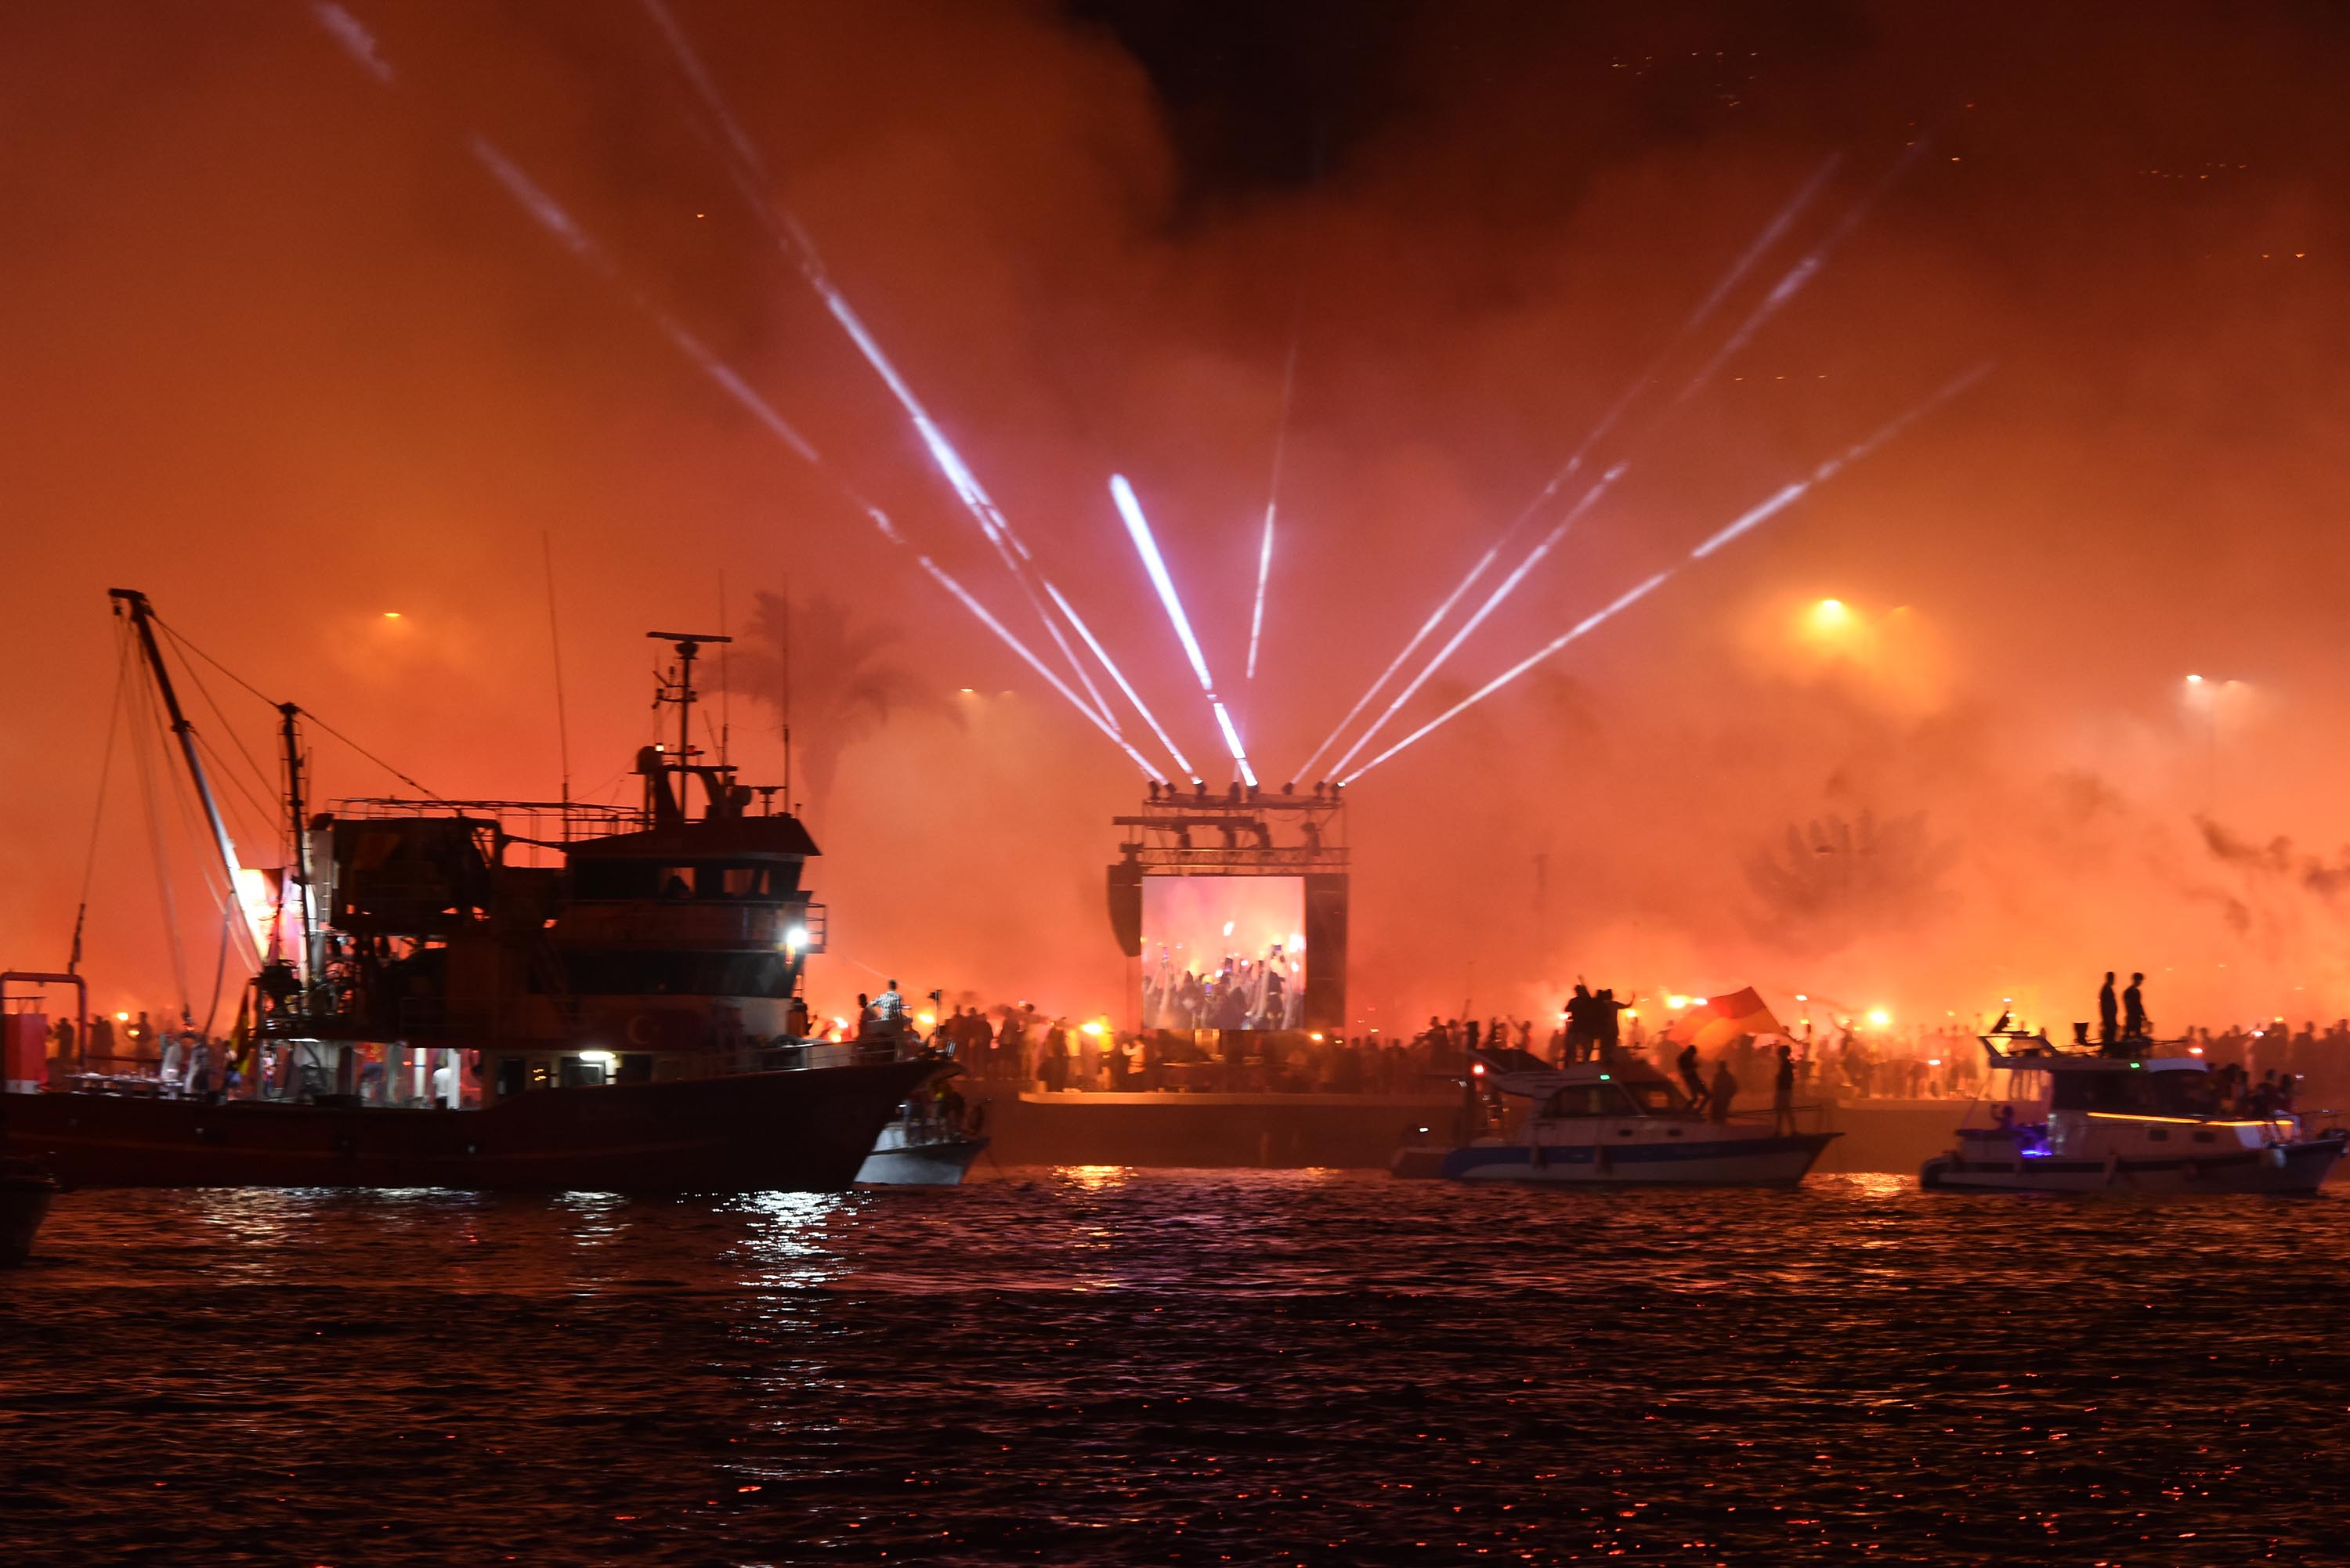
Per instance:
{"type": "Point", "coordinates": [2133, 1092]}
{"type": "Point", "coordinates": [1588, 1100]}
{"type": "Point", "coordinates": [511, 1079]}
{"type": "Point", "coordinates": [626, 972]}
{"type": "Point", "coordinates": [718, 880]}
{"type": "Point", "coordinates": [757, 880]}
{"type": "Point", "coordinates": [636, 1067]}
{"type": "Point", "coordinates": [579, 1074]}
{"type": "Point", "coordinates": [1653, 1099]}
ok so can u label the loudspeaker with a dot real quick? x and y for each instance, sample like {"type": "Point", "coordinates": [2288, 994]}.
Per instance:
{"type": "Point", "coordinates": [1126, 906]}
{"type": "Point", "coordinates": [1326, 951]}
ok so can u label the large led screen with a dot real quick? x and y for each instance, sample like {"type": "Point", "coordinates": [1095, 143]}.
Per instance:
{"type": "Point", "coordinates": [1224, 952]}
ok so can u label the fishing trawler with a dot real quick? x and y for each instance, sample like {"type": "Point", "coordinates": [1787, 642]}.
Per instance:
{"type": "Point", "coordinates": [434, 1011]}
{"type": "Point", "coordinates": [1615, 1121]}
{"type": "Point", "coordinates": [2150, 1122]}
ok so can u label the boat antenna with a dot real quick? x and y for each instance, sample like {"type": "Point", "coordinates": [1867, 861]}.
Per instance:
{"type": "Point", "coordinates": [790, 805]}
{"type": "Point", "coordinates": [725, 685]}
{"type": "Point", "coordinates": [114, 725]}
{"type": "Point", "coordinates": [555, 637]}
{"type": "Point", "coordinates": [679, 689]}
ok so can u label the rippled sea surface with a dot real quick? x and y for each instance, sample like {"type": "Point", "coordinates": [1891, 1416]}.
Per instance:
{"type": "Point", "coordinates": [1108, 1366]}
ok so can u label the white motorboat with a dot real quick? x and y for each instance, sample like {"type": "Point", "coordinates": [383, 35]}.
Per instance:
{"type": "Point", "coordinates": [2148, 1122]}
{"type": "Point", "coordinates": [1620, 1123]}
{"type": "Point", "coordinates": [932, 1142]}
{"type": "Point", "coordinates": [914, 1153]}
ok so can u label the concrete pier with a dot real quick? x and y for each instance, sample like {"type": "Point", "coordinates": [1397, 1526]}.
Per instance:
{"type": "Point", "coordinates": [1348, 1131]}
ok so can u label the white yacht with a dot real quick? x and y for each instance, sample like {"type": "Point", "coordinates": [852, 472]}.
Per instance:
{"type": "Point", "coordinates": [2148, 1122]}
{"type": "Point", "coordinates": [1618, 1123]}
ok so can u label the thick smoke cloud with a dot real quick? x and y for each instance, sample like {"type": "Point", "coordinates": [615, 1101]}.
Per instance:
{"type": "Point", "coordinates": [283, 354]}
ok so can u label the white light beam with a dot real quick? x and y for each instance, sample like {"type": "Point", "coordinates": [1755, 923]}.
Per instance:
{"type": "Point", "coordinates": [1476, 618]}
{"type": "Point", "coordinates": [550, 215]}
{"type": "Point", "coordinates": [1137, 528]}
{"type": "Point", "coordinates": [1119, 675]}
{"type": "Point", "coordinates": [1787, 495]}
{"type": "Point", "coordinates": [751, 180]}
{"type": "Point", "coordinates": [1587, 623]}
{"type": "Point", "coordinates": [1770, 234]}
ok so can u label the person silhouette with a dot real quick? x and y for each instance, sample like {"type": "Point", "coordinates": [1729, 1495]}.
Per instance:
{"type": "Point", "coordinates": [2134, 1009]}
{"type": "Point", "coordinates": [2107, 1012]}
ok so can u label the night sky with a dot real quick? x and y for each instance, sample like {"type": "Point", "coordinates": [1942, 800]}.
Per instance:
{"type": "Point", "coordinates": [287, 352]}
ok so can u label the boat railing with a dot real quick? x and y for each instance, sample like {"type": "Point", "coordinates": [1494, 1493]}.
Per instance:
{"type": "Point", "coordinates": [870, 1051]}
{"type": "Point", "coordinates": [1812, 1117]}
{"type": "Point", "coordinates": [531, 821]}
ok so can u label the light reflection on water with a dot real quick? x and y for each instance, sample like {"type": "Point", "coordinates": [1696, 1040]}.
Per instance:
{"type": "Point", "coordinates": [1094, 1364]}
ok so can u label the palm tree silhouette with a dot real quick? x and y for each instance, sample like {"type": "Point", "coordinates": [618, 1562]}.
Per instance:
{"type": "Point", "coordinates": [829, 679]}
{"type": "Point", "coordinates": [1839, 878]}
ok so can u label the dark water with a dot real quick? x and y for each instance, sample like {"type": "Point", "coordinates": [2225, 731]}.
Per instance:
{"type": "Point", "coordinates": [1102, 1367]}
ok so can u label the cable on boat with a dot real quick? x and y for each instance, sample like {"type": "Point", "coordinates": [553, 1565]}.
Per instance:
{"type": "Point", "coordinates": [162, 858]}
{"type": "Point", "coordinates": [105, 772]}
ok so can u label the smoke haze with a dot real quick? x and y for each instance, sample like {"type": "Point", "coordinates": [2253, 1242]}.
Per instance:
{"type": "Point", "coordinates": [284, 353]}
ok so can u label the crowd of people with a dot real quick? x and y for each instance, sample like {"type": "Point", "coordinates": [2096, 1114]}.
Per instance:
{"type": "Point", "coordinates": [1017, 1043]}
{"type": "Point", "coordinates": [1843, 1059]}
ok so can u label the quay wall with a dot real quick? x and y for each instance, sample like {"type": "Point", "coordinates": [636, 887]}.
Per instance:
{"type": "Point", "coordinates": [1346, 1131]}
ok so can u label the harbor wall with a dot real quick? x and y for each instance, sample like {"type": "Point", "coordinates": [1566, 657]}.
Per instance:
{"type": "Point", "coordinates": [1347, 1131]}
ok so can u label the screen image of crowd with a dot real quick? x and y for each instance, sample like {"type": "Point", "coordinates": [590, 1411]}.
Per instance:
{"type": "Point", "coordinates": [1224, 952]}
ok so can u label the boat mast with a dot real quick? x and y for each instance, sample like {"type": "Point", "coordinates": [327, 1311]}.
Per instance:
{"type": "Point", "coordinates": [295, 823]}
{"type": "Point", "coordinates": [680, 691]}
{"type": "Point", "coordinates": [133, 603]}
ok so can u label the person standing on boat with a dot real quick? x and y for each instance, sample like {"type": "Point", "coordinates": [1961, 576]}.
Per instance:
{"type": "Point", "coordinates": [888, 1007]}
{"type": "Point", "coordinates": [1783, 1093]}
{"type": "Point", "coordinates": [199, 1067]}
{"type": "Point", "coordinates": [1580, 1033]}
{"type": "Point", "coordinates": [1720, 1092]}
{"type": "Point", "coordinates": [2107, 1014]}
{"type": "Point", "coordinates": [2134, 1022]}
{"type": "Point", "coordinates": [1687, 1065]}
{"type": "Point", "coordinates": [1606, 1023]}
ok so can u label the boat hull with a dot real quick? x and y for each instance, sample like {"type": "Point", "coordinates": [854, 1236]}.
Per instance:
{"type": "Point", "coordinates": [2298, 1168]}
{"type": "Point", "coordinates": [941, 1164]}
{"type": "Point", "coordinates": [24, 1204]}
{"type": "Point", "coordinates": [784, 1131]}
{"type": "Point", "coordinates": [1772, 1160]}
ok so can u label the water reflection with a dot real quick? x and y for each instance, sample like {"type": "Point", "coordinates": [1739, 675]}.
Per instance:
{"type": "Point", "coordinates": [785, 1240]}
{"type": "Point", "coordinates": [1109, 1366]}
